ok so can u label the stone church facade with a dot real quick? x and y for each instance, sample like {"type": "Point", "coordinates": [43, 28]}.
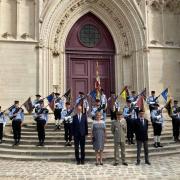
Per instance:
{"type": "Point", "coordinates": [49, 45]}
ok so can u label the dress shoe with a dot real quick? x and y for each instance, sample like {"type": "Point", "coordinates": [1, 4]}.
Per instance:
{"type": "Point", "coordinates": [159, 145]}
{"type": "Point", "coordinates": [115, 164]}
{"type": "Point", "coordinates": [82, 162]}
{"type": "Point", "coordinates": [101, 163]}
{"type": "Point", "coordinates": [155, 145]}
{"type": "Point", "coordinates": [147, 162]}
{"type": "Point", "coordinates": [69, 144]}
{"type": "Point", "coordinates": [138, 163]}
{"type": "Point", "coordinates": [125, 163]}
{"type": "Point", "coordinates": [78, 163]}
{"type": "Point", "coordinates": [96, 163]}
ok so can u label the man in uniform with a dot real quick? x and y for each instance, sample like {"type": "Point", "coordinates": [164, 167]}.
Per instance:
{"type": "Point", "coordinates": [114, 105]}
{"type": "Point", "coordinates": [152, 100]}
{"type": "Point", "coordinates": [97, 108]}
{"type": "Point", "coordinates": [133, 97]}
{"type": "Point", "coordinates": [67, 119]}
{"type": "Point", "coordinates": [82, 100]}
{"type": "Point", "coordinates": [59, 105]}
{"type": "Point", "coordinates": [36, 103]}
{"type": "Point", "coordinates": [16, 114]}
{"type": "Point", "coordinates": [119, 131]}
{"type": "Point", "coordinates": [41, 117]}
{"type": "Point", "coordinates": [103, 101]}
{"type": "Point", "coordinates": [157, 121]}
{"type": "Point", "coordinates": [130, 114]}
{"type": "Point", "coordinates": [176, 120]}
{"type": "Point", "coordinates": [3, 121]}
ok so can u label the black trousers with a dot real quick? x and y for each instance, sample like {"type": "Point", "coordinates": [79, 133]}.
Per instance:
{"type": "Point", "coordinates": [16, 126]}
{"type": "Point", "coordinates": [79, 141]}
{"type": "Point", "coordinates": [130, 129]}
{"type": "Point", "coordinates": [157, 127]}
{"type": "Point", "coordinates": [57, 114]}
{"type": "Point", "coordinates": [41, 130]}
{"type": "Point", "coordinates": [1, 131]}
{"type": "Point", "coordinates": [176, 128]}
{"type": "Point", "coordinates": [113, 114]}
{"type": "Point", "coordinates": [146, 152]}
{"type": "Point", "coordinates": [68, 131]}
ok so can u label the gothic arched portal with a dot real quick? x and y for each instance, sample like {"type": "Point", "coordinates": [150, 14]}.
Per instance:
{"type": "Point", "coordinates": [89, 42]}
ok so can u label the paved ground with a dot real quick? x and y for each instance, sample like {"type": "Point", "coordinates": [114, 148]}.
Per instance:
{"type": "Point", "coordinates": [161, 168]}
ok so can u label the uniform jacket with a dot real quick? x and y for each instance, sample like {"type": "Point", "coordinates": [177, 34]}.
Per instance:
{"type": "Point", "coordinates": [119, 130]}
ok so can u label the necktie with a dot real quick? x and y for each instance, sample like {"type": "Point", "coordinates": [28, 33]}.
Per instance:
{"type": "Point", "coordinates": [79, 117]}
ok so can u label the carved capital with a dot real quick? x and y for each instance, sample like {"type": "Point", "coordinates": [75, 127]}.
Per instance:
{"type": "Point", "coordinates": [6, 35]}
{"type": "Point", "coordinates": [55, 53]}
{"type": "Point", "coordinates": [25, 36]}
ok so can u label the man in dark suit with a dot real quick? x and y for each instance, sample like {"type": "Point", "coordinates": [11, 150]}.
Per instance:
{"type": "Point", "coordinates": [141, 131]}
{"type": "Point", "coordinates": [79, 132]}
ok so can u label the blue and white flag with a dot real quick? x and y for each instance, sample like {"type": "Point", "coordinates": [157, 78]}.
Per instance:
{"type": "Point", "coordinates": [165, 94]}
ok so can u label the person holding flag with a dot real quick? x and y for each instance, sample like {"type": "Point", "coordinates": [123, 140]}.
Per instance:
{"type": "Point", "coordinates": [3, 121]}
{"type": "Point", "coordinates": [67, 115]}
{"type": "Point", "coordinates": [157, 122]}
{"type": "Point", "coordinates": [97, 108]}
{"type": "Point", "coordinates": [41, 117]}
{"type": "Point", "coordinates": [133, 97]}
{"type": "Point", "coordinates": [103, 101]}
{"type": "Point", "coordinates": [130, 114]}
{"type": "Point", "coordinates": [16, 114]}
{"type": "Point", "coordinates": [176, 120]}
{"type": "Point", "coordinates": [152, 100]}
{"type": "Point", "coordinates": [114, 106]}
{"type": "Point", "coordinates": [59, 105]}
{"type": "Point", "coordinates": [82, 100]}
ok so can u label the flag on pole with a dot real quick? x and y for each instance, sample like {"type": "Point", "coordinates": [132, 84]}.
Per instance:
{"type": "Point", "coordinates": [11, 107]}
{"type": "Point", "coordinates": [165, 94]}
{"type": "Point", "coordinates": [124, 93]}
{"type": "Point", "coordinates": [143, 94]}
{"type": "Point", "coordinates": [168, 107]}
{"type": "Point", "coordinates": [97, 82]}
{"type": "Point", "coordinates": [93, 94]}
{"type": "Point", "coordinates": [28, 105]}
{"type": "Point", "coordinates": [67, 95]}
{"type": "Point", "coordinates": [50, 99]}
{"type": "Point", "coordinates": [140, 102]}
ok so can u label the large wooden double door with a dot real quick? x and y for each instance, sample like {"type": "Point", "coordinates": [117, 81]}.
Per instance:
{"type": "Point", "coordinates": [82, 75]}
{"type": "Point", "coordinates": [89, 41]}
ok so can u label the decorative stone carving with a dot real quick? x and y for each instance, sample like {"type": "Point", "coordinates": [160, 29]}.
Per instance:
{"type": "Point", "coordinates": [165, 5]}
{"type": "Point", "coordinates": [55, 53]}
{"type": "Point", "coordinates": [102, 5]}
{"type": "Point", "coordinates": [25, 36]}
{"type": "Point", "coordinates": [6, 35]}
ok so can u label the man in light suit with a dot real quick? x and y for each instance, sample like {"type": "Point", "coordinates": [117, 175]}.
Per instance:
{"type": "Point", "coordinates": [79, 132]}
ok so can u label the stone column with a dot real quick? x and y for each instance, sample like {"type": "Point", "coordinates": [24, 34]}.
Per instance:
{"type": "Point", "coordinates": [17, 18]}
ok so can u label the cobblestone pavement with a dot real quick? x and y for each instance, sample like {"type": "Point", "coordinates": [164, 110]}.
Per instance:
{"type": "Point", "coordinates": [161, 168]}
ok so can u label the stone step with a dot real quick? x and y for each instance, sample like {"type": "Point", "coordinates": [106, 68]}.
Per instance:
{"type": "Point", "coordinates": [61, 137]}
{"type": "Point", "coordinates": [69, 151]}
{"type": "Point", "coordinates": [107, 156]}
{"type": "Point", "coordinates": [61, 141]}
{"type": "Point", "coordinates": [8, 145]}
{"type": "Point", "coordinates": [61, 132]}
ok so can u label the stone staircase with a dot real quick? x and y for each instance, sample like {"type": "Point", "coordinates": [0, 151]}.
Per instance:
{"type": "Point", "coordinates": [54, 149]}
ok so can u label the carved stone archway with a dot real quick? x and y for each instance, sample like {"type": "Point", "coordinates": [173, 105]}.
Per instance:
{"type": "Point", "coordinates": [125, 25]}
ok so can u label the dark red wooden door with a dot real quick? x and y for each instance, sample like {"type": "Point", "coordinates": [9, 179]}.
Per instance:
{"type": "Point", "coordinates": [89, 41]}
